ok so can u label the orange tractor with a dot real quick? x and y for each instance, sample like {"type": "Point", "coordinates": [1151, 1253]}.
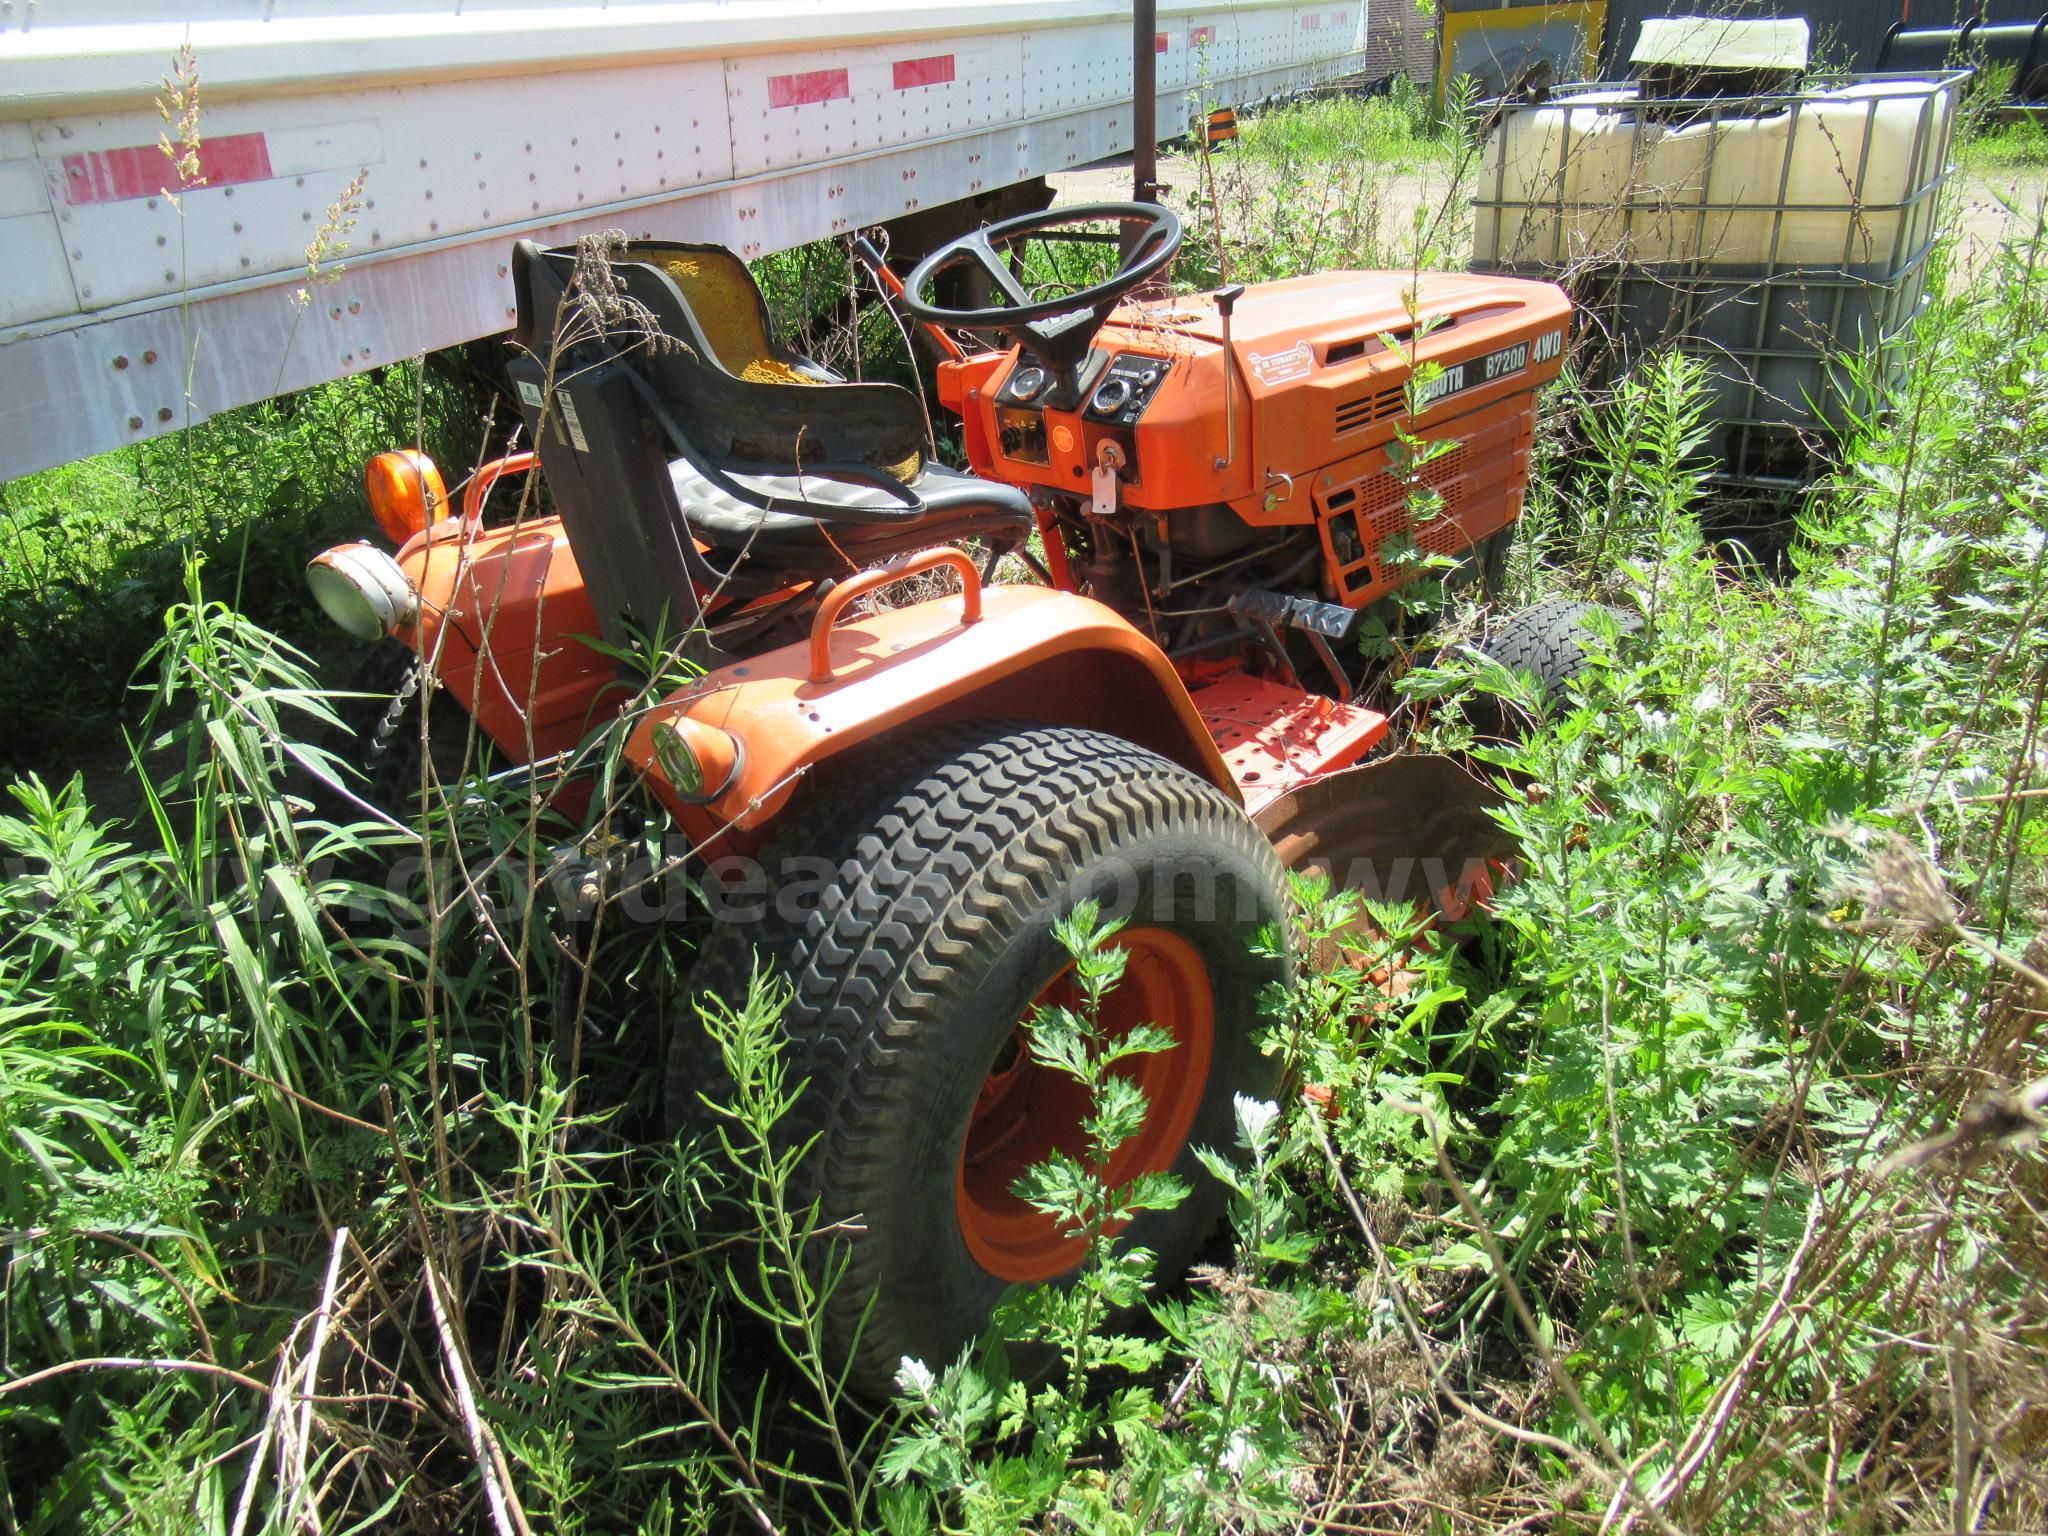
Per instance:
{"type": "Point", "coordinates": [892, 805]}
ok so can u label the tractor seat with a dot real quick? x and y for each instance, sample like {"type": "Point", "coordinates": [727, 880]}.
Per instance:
{"type": "Point", "coordinates": [689, 453]}
{"type": "Point", "coordinates": [957, 506]}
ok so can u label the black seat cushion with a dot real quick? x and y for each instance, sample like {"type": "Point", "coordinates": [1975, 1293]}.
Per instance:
{"type": "Point", "coordinates": [956, 506]}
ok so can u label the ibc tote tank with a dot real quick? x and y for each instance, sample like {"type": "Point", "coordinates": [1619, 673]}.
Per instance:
{"type": "Point", "coordinates": [1765, 234]}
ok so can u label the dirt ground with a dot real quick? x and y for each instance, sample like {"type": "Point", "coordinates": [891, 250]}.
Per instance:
{"type": "Point", "coordinates": [1996, 205]}
{"type": "Point", "coordinates": [1398, 192]}
{"type": "Point", "coordinates": [1109, 181]}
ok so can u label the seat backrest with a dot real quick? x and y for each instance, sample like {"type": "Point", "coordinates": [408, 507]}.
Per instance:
{"type": "Point", "coordinates": [767, 419]}
{"type": "Point", "coordinates": [605, 463]}
{"type": "Point", "coordinates": [636, 385]}
{"type": "Point", "coordinates": [725, 301]}
{"type": "Point", "coordinates": [770, 414]}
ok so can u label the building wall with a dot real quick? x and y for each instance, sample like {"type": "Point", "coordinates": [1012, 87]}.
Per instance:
{"type": "Point", "coordinates": [1399, 39]}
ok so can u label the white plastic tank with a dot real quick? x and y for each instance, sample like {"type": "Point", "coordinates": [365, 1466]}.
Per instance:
{"type": "Point", "coordinates": [1772, 234]}
{"type": "Point", "coordinates": [1838, 178]}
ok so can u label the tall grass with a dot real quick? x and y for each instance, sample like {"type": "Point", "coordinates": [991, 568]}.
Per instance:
{"type": "Point", "coordinates": [91, 554]}
{"type": "Point", "coordinates": [1344, 181]}
{"type": "Point", "coordinates": [1695, 1188]}
{"type": "Point", "coordinates": [1988, 143]}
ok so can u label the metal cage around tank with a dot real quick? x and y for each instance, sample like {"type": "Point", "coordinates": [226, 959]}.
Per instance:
{"type": "Point", "coordinates": [1779, 238]}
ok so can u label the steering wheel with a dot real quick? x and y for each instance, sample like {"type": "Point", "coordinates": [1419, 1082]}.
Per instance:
{"type": "Point", "coordinates": [1056, 332]}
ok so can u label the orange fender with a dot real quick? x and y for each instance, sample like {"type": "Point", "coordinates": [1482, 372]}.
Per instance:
{"type": "Point", "coordinates": [503, 617]}
{"type": "Point", "coordinates": [1032, 654]}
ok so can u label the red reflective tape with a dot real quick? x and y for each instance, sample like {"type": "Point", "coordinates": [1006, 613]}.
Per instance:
{"type": "Point", "coordinates": [1313, 22]}
{"type": "Point", "coordinates": [812, 85]}
{"type": "Point", "coordinates": [1201, 37]}
{"type": "Point", "coordinates": [117, 175]}
{"type": "Point", "coordinates": [1159, 42]}
{"type": "Point", "coordinates": [936, 70]}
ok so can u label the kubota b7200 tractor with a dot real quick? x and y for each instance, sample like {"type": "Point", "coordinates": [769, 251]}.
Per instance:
{"type": "Point", "coordinates": [1208, 489]}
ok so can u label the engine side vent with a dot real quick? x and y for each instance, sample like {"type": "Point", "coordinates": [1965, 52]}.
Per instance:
{"type": "Point", "coordinates": [1370, 530]}
{"type": "Point", "coordinates": [1363, 410]}
{"type": "Point", "coordinates": [1389, 517]}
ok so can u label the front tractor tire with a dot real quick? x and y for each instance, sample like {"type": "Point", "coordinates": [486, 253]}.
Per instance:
{"type": "Point", "coordinates": [1553, 641]}
{"type": "Point", "coordinates": [913, 966]}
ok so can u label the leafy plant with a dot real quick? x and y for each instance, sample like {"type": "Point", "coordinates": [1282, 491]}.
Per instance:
{"type": "Point", "coordinates": [1692, 1186]}
{"type": "Point", "coordinates": [975, 1400]}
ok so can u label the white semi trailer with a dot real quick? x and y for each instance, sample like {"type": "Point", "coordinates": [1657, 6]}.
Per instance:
{"type": "Point", "coordinates": [762, 124]}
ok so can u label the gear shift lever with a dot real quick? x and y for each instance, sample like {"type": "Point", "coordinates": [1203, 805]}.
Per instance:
{"type": "Point", "coordinates": [1226, 302]}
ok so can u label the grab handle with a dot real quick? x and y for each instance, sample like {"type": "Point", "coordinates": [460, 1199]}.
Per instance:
{"type": "Point", "coordinates": [882, 576]}
{"type": "Point", "coordinates": [487, 476]}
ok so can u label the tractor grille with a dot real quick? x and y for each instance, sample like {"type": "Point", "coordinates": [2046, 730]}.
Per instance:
{"type": "Point", "coordinates": [1367, 517]}
{"type": "Point", "coordinates": [1364, 410]}
{"type": "Point", "coordinates": [1385, 512]}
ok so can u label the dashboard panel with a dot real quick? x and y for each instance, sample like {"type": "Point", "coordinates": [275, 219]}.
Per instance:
{"type": "Point", "coordinates": [1126, 388]}
{"type": "Point", "coordinates": [1116, 388]}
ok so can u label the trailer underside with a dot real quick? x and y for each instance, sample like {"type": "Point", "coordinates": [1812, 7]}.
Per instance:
{"type": "Point", "coordinates": [130, 312]}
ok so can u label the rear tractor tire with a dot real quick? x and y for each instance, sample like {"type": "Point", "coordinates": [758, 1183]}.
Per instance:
{"type": "Point", "coordinates": [913, 969]}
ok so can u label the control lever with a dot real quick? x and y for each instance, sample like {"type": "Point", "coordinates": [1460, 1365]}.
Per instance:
{"type": "Point", "coordinates": [892, 288]}
{"type": "Point", "coordinates": [1226, 302]}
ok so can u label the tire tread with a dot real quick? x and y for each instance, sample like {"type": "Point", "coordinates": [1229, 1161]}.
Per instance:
{"type": "Point", "coordinates": [978, 829]}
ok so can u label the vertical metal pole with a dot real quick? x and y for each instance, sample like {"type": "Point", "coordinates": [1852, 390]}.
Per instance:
{"type": "Point", "coordinates": [1144, 101]}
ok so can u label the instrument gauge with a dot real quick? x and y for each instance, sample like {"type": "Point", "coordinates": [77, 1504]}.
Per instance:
{"type": "Point", "coordinates": [1111, 397]}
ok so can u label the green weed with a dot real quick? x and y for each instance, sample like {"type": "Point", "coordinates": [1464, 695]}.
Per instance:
{"type": "Point", "coordinates": [1347, 181]}
{"type": "Point", "coordinates": [92, 554]}
{"type": "Point", "coordinates": [1693, 1188]}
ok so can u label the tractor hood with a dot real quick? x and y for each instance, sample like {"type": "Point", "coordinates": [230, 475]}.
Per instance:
{"type": "Point", "coordinates": [1286, 330]}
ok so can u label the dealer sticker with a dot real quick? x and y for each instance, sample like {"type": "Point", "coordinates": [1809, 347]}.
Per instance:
{"type": "Point", "coordinates": [1282, 367]}
{"type": "Point", "coordinates": [570, 420]}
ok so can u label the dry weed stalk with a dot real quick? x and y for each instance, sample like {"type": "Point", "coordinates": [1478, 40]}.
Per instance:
{"type": "Point", "coordinates": [178, 106]}
{"type": "Point", "coordinates": [330, 241]}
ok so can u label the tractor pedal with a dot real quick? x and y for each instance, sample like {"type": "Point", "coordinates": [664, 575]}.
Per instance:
{"type": "Point", "coordinates": [1331, 620]}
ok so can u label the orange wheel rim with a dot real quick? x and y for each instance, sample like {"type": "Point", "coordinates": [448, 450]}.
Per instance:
{"type": "Point", "coordinates": [1025, 1112]}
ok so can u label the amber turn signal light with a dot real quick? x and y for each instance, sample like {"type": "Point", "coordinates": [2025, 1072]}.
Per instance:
{"type": "Point", "coordinates": [700, 761]}
{"type": "Point", "coordinates": [406, 492]}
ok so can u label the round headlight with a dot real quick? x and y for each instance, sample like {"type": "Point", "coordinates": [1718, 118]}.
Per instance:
{"type": "Point", "coordinates": [363, 590]}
